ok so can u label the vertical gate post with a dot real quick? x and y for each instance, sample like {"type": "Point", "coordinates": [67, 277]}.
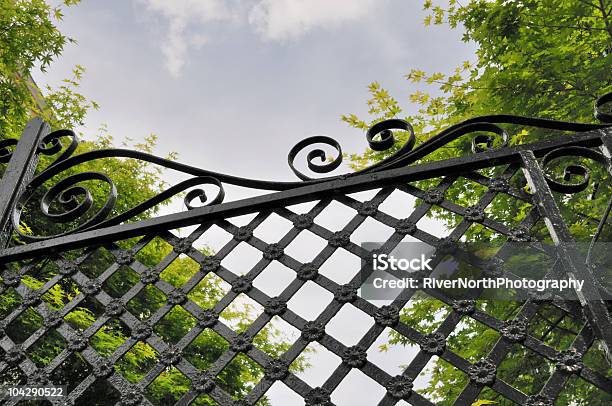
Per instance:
{"type": "Point", "coordinates": [593, 304]}
{"type": "Point", "coordinates": [19, 172]}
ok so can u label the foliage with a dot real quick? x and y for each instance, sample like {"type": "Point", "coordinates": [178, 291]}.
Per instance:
{"type": "Point", "coordinates": [547, 59]}
{"type": "Point", "coordinates": [29, 38]}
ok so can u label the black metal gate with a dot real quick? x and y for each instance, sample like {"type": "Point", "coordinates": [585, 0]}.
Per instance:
{"type": "Point", "coordinates": [110, 243]}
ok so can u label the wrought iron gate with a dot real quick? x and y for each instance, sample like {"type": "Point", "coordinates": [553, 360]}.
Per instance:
{"type": "Point", "coordinates": [114, 242]}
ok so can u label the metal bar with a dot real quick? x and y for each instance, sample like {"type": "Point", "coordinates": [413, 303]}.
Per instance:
{"type": "Point", "coordinates": [590, 298]}
{"type": "Point", "coordinates": [294, 196]}
{"type": "Point", "coordinates": [19, 171]}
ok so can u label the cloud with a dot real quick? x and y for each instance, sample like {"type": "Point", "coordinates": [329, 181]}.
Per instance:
{"type": "Point", "coordinates": [182, 15]}
{"type": "Point", "coordinates": [286, 20]}
{"type": "Point", "coordinates": [274, 20]}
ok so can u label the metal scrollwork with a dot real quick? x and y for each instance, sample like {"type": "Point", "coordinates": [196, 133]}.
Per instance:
{"type": "Point", "coordinates": [77, 200]}
{"type": "Point", "coordinates": [571, 170]}
{"type": "Point", "coordinates": [483, 142]}
{"type": "Point", "coordinates": [315, 153]}
{"type": "Point", "coordinates": [386, 136]}
{"type": "Point", "coordinates": [51, 144]}
{"type": "Point", "coordinates": [69, 201]}
{"type": "Point", "coordinates": [170, 193]}
{"type": "Point", "coordinates": [5, 151]}
{"type": "Point", "coordinates": [379, 137]}
{"type": "Point", "coordinates": [201, 194]}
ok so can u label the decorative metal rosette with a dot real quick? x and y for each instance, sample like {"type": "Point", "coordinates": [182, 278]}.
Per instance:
{"type": "Point", "coordinates": [103, 369]}
{"type": "Point", "coordinates": [276, 370]}
{"type": "Point", "coordinates": [132, 397]}
{"type": "Point", "coordinates": [242, 284]}
{"type": "Point", "coordinates": [183, 246]}
{"type": "Point", "coordinates": [482, 372]}
{"type": "Point", "coordinates": [313, 331]}
{"type": "Point", "coordinates": [340, 239]}
{"type": "Point", "coordinates": [210, 264]}
{"type": "Point", "coordinates": [241, 343]}
{"type": "Point", "coordinates": [345, 293]}
{"type": "Point", "coordinates": [243, 234]}
{"type": "Point", "coordinates": [171, 356]}
{"type": "Point", "coordinates": [92, 287]}
{"type": "Point", "coordinates": [318, 397]}
{"type": "Point", "coordinates": [14, 355]}
{"type": "Point", "coordinates": [203, 382]}
{"type": "Point", "coordinates": [177, 296]}
{"type": "Point", "coordinates": [405, 226]}
{"type": "Point", "coordinates": [275, 306]}
{"type": "Point", "coordinates": [78, 342]}
{"type": "Point", "coordinates": [307, 272]}
{"type": "Point", "coordinates": [125, 258]}
{"type": "Point", "coordinates": [355, 356]}
{"type": "Point", "coordinates": [434, 343]}
{"type": "Point", "coordinates": [387, 316]}
{"type": "Point", "coordinates": [273, 251]}
{"type": "Point", "coordinates": [514, 330]}
{"type": "Point", "coordinates": [303, 221]}
{"type": "Point", "coordinates": [463, 306]}
{"type": "Point", "coordinates": [569, 361]}
{"type": "Point", "coordinates": [53, 319]}
{"type": "Point", "coordinates": [207, 318]}
{"type": "Point", "coordinates": [114, 308]}
{"type": "Point", "coordinates": [399, 387]}
{"type": "Point", "coordinates": [149, 276]}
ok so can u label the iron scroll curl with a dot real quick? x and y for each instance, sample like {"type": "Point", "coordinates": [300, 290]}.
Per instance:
{"type": "Point", "coordinates": [52, 144]}
{"type": "Point", "coordinates": [571, 170]}
{"type": "Point", "coordinates": [5, 149]}
{"type": "Point", "coordinates": [315, 153]}
{"type": "Point", "coordinates": [77, 201]}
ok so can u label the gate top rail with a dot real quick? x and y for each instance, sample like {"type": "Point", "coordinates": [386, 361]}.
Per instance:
{"type": "Point", "coordinates": [76, 201]}
{"type": "Point", "coordinates": [110, 231]}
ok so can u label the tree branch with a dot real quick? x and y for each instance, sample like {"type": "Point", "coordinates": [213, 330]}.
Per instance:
{"type": "Point", "coordinates": [588, 3]}
{"type": "Point", "coordinates": [573, 27]}
{"type": "Point", "coordinates": [606, 16]}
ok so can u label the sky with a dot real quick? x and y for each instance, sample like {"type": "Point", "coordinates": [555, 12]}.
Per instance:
{"type": "Point", "coordinates": [232, 85]}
